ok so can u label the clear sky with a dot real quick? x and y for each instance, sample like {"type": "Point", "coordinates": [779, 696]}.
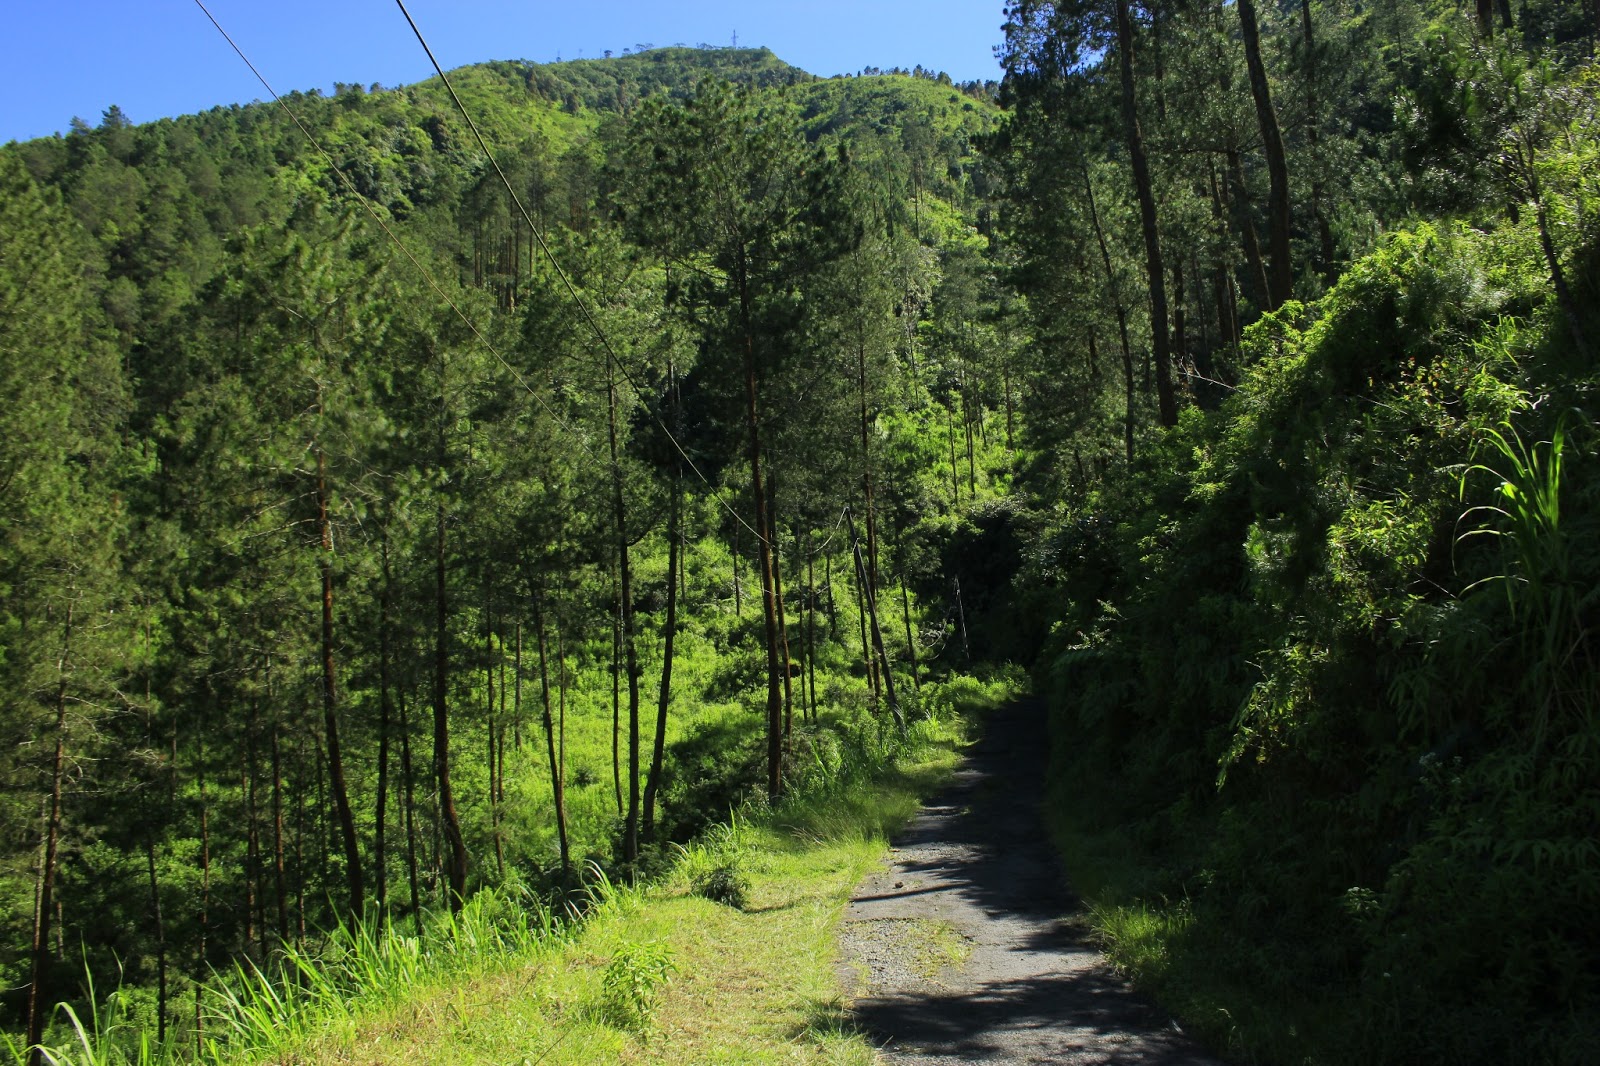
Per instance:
{"type": "Point", "coordinates": [153, 58]}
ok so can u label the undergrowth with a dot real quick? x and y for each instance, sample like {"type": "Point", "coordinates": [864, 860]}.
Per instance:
{"type": "Point", "coordinates": [1324, 680]}
{"type": "Point", "coordinates": [604, 972]}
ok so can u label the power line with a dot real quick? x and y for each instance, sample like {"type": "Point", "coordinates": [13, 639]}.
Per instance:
{"type": "Point", "coordinates": [426, 274]}
{"type": "Point", "coordinates": [572, 290]}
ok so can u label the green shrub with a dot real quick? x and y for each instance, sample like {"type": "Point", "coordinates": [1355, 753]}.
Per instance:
{"type": "Point", "coordinates": [631, 980]}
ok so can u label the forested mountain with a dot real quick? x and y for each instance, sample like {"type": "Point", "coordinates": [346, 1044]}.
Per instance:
{"type": "Point", "coordinates": [376, 514]}
{"type": "Point", "coordinates": [386, 525]}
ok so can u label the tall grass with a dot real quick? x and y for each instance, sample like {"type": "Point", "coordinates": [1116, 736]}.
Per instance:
{"type": "Point", "coordinates": [256, 1010]}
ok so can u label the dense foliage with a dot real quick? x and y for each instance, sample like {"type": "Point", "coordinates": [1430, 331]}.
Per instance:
{"type": "Point", "coordinates": [1322, 651]}
{"type": "Point", "coordinates": [379, 520]}
{"type": "Point", "coordinates": [386, 527]}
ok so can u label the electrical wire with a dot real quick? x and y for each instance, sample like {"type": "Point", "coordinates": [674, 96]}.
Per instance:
{"type": "Point", "coordinates": [433, 283]}
{"type": "Point", "coordinates": [572, 289]}
{"type": "Point", "coordinates": [376, 217]}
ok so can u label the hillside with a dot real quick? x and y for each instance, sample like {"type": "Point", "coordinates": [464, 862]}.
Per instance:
{"type": "Point", "coordinates": [423, 575]}
{"type": "Point", "coordinates": [370, 550]}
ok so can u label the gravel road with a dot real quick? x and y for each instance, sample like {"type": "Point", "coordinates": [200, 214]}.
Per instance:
{"type": "Point", "coordinates": [962, 948]}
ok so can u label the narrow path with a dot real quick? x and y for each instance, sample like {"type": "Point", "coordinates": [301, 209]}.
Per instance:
{"type": "Point", "coordinates": [962, 950]}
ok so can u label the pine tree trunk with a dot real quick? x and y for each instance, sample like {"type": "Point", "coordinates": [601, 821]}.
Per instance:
{"type": "Point", "coordinates": [557, 792]}
{"type": "Point", "coordinates": [955, 469]}
{"type": "Point", "coordinates": [161, 943]}
{"type": "Point", "coordinates": [827, 584]}
{"type": "Point", "coordinates": [1122, 317]}
{"type": "Point", "coordinates": [380, 850]}
{"type": "Point", "coordinates": [811, 635]}
{"type": "Point", "coordinates": [44, 902]}
{"type": "Point", "coordinates": [449, 821]}
{"type": "Point", "coordinates": [783, 622]}
{"type": "Point", "coordinates": [205, 902]}
{"type": "Point", "coordinates": [489, 725]}
{"type": "Point", "coordinates": [659, 750]}
{"type": "Point", "coordinates": [279, 876]}
{"type": "Point", "coordinates": [616, 697]}
{"type": "Point", "coordinates": [911, 640]}
{"type": "Point", "coordinates": [330, 719]}
{"type": "Point", "coordinates": [1314, 140]}
{"type": "Point", "coordinates": [1155, 272]}
{"type": "Point", "coordinates": [758, 497]}
{"type": "Point", "coordinates": [1280, 283]}
{"type": "Point", "coordinates": [408, 789]}
{"type": "Point", "coordinates": [877, 632]}
{"type": "Point", "coordinates": [630, 831]}
{"type": "Point", "coordinates": [1255, 261]}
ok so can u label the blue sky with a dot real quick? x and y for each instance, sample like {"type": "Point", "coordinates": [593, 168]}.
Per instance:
{"type": "Point", "coordinates": [161, 57]}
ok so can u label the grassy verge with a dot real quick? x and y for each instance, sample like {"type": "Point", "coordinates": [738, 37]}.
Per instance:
{"type": "Point", "coordinates": [663, 973]}
{"type": "Point", "coordinates": [727, 957]}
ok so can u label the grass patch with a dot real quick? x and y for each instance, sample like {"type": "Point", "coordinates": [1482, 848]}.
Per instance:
{"type": "Point", "coordinates": [699, 981]}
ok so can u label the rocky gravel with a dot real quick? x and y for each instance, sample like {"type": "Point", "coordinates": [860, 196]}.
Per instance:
{"type": "Point", "coordinates": [963, 948]}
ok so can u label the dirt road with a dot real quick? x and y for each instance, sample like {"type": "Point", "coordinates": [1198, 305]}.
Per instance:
{"type": "Point", "coordinates": [961, 950]}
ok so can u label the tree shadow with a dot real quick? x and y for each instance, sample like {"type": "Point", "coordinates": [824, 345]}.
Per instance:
{"type": "Point", "coordinates": [979, 852]}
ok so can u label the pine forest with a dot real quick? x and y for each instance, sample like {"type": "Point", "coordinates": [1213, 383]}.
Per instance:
{"type": "Point", "coordinates": [436, 521]}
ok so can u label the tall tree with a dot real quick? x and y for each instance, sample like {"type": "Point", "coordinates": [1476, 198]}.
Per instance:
{"type": "Point", "coordinates": [726, 188]}
{"type": "Point", "coordinates": [1280, 283]}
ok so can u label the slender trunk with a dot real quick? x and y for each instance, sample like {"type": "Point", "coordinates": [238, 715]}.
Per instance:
{"type": "Point", "coordinates": [738, 600]}
{"type": "Point", "coordinates": [1122, 317]}
{"type": "Point", "coordinates": [1486, 18]}
{"type": "Point", "coordinates": [950, 432]}
{"type": "Point", "coordinates": [449, 821]}
{"type": "Point", "coordinates": [516, 677]}
{"type": "Point", "coordinates": [380, 850]}
{"type": "Point", "coordinates": [664, 699]}
{"type": "Point", "coordinates": [300, 845]}
{"type": "Point", "coordinates": [500, 737]}
{"type": "Point", "coordinates": [557, 792]}
{"type": "Point", "coordinates": [1280, 286]}
{"type": "Point", "coordinates": [911, 640]}
{"type": "Point", "coordinates": [1005, 379]}
{"type": "Point", "coordinates": [866, 461]}
{"type": "Point", "coordinates": [972, 466]}
{"type": "Point", "coordinates": [1254, 260]}
{"type": "Point", "coordinates": [1558, 277]}
{"type": "Point", "coordinates": [783, 623]}
{"type": "Point", "coordinates": [205, 900]}
{"type": "Point", "coordinates": [616, 697]}
{"type": "Point", "coordinates": [630, 832]}
{"type": "Point", "coordinates": [1314, 141]}
{"type": "Point", "coordinates": [489, 726]}
{"type": "Point", "coordinates": [811, 635]}
{"type": "Point", "coordinates": [1154, 270]}
{"type": "Point", "coordinates": [161, 943]}
{"type": "Point", "coordinates": [44, 903]}
{"type": "Point", "coordinates": [877, 632]}
{"type": "Point", "coordinates": [827, 584]}
{"type": "Point", "coordinates": [330, 702]}
{"type": "Point", "coordinates": [961, 609]}
{"type": "Point", "coordinates": [561, 721]}
{"type": "Point", "coordinates": [769, 607]}
{"type": "Point", "coordinates": [869, 668]}
{"type": "Point", "coordinates": [279, 877]}
{"type": "Point", "coordinates": [408, 786]}
{"type": "Point", "coordinates": [247, 788]}
{"type": "Point", "coordinates": [1180, 338]}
